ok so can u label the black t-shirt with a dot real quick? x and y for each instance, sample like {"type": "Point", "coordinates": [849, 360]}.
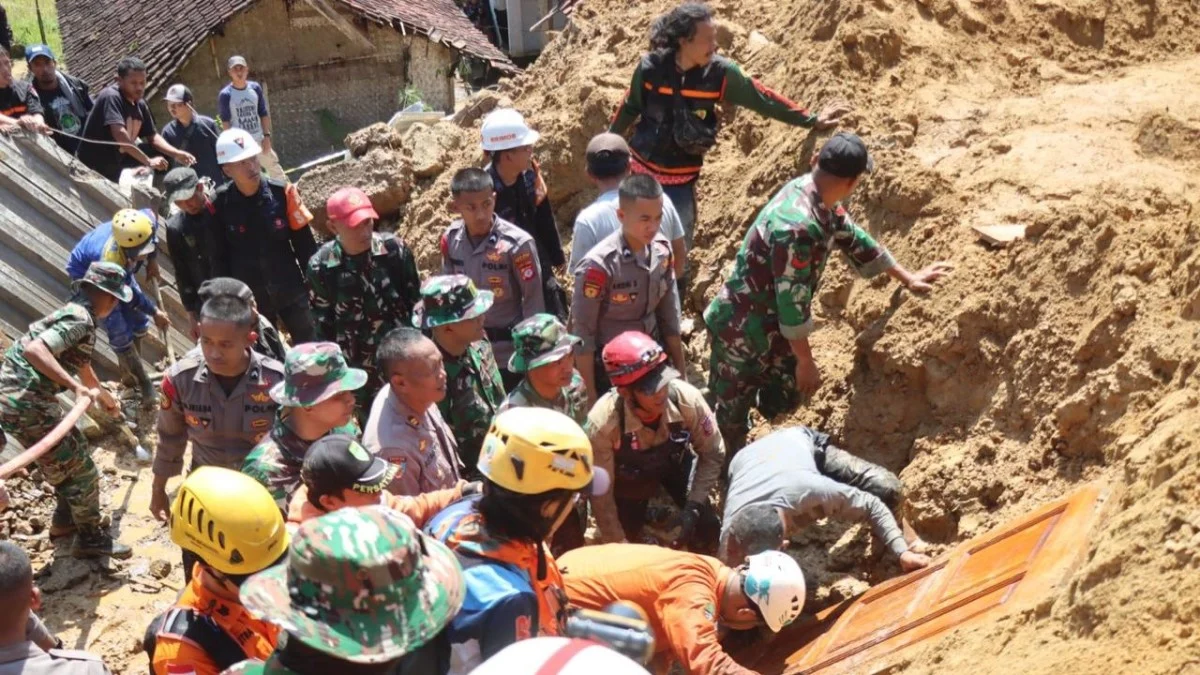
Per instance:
{"type": "Point", "coordinates": [19, 100]}
{"type": "Point", "coordinates": [60, 114]}
{"type": "Point", "coordinates": [200, 139]}
{"type": "Point", "coordinates": [112, 108]}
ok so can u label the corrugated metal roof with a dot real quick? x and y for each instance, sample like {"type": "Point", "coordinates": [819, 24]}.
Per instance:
{"type": "Point", "coordinates": [48, 201]}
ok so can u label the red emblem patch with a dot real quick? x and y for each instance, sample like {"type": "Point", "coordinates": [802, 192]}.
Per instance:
{"type": "Point", "coordinates": [523, 628]}
{"type": "Point", "coordinates": [444, 244]}
{"type": "Point", "coordinates": [524, 263]}
{"type": "Point", "coordinates": [707, 425]}
{"type": "Point", "coordinates": [594, 281]}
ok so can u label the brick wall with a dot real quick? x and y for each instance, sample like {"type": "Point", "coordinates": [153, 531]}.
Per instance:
{"type": "Point", "coordinates": [320, 83]}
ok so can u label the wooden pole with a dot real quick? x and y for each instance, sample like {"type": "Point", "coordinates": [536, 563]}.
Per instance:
{"type": "Point", "coordinates": [37, 6]}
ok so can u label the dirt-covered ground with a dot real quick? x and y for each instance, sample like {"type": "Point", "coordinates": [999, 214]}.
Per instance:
{"type": "Point", "coordinates": [1067, 357]}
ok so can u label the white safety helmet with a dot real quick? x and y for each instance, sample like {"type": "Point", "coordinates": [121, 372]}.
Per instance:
{"type": "Point", "coordinates": [774, 582]}
{"type": "Point", "coordinates": [505, 129]}
{"type": "Point", "coordinates": [578, 657]}
{"type": "Point", "coordinates": [234, 145]}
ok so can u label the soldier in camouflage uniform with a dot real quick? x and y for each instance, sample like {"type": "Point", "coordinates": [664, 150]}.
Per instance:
{"type": "Point", "coordinates": [364, 284]}
{"type": "Point", "coordinates": [360, 586]}
{"type": "Point", "coordinates": [316, 398]}
{"type": "Point", "coordinates": [55, 355]}
{"type": "Point", "coordinates": [761, 319]}
{"type": "Point", "coordinates": [452, 311]}
{"type": "Point", "coordinates": [544, 352]}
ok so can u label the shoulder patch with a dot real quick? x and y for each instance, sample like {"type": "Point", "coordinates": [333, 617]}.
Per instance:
{"type": "Point", "coordinates": [594, 280]}
{"type": "Point", "coordinates": [445, 244]}
{"type": "Point", "coordinates": [524, 263]}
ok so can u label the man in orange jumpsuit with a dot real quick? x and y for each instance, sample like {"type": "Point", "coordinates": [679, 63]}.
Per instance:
{"type": "Point", "coordinates": [689, 598]}
{"type": "Point", "coordinates": [232, 523]}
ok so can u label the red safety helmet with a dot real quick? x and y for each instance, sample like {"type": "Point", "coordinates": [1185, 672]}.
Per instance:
{"type": "Point", "coordinates": [630, 356]}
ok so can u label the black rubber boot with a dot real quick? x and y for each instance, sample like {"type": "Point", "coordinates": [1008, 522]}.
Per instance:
{"type": "Point", "coordinates": [94, 542]}
{"type": "Point", "coordinates": [145, 385]}
{"type": "Point", "coordinates": [62, 522]}
{"type": "Point", "coordinates": [125, 368]}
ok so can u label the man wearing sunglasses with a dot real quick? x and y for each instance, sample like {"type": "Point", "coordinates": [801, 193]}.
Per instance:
{"type": "Point", "coordinates": [652, 431]}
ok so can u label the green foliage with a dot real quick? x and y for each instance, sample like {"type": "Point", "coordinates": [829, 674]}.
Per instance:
{"type": "Point", "coordinates": [22, 16]}
{"type": "Point", "coordinates": [410, 95]}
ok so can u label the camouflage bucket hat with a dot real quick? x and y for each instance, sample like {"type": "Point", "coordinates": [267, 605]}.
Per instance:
{"type": "Point", "coordinates": [448, 299]}
{"type": "Point", "coordinates": [361, 584]}
{"type": "Point", "coordinates": [313, 372]}
{"type": "Point", "coordinates": [108, 277]}
{"type": "Point", "coordinates": [539, 340]}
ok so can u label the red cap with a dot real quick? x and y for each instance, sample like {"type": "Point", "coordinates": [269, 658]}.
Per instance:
{"type": "Point", "coordinates": [350, 206]}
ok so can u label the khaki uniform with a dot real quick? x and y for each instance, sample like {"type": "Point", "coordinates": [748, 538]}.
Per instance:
{"type": "Point", "coordinates": [26, 658]}
{"type": "Point", "coordinates": [505, 263]}
{"type": "Point", "coordinates": [222, 429]}
{"type": "Point", "coordinates": [617, 290]}
{"type": "Point", "coordinates": [421, 445]}
{"type": "Point", "coordinates": [620, 443]}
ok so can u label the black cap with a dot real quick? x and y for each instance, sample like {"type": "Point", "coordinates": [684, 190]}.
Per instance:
{"type": "Point", "coordinates": [845, 156]}
{"type": "Point", "coordinates": [654, 381]}
{"type": "Point", "coordinates": [338, 462]}
{"type": "Point", "coordinates": [180, 183]}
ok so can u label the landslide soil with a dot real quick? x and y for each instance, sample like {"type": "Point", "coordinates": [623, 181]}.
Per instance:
{"type": "Point", "coordinates": [1065, 357]}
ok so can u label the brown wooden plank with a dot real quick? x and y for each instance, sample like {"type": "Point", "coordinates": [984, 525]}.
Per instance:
{"type": "Point", "coordinates": [1013, 566]}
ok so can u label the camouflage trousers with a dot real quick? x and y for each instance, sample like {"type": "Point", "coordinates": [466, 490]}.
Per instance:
{"type": "Point", "coordinates": [68, 466]}
{"type": "Point", "coordinates": [741, 377]}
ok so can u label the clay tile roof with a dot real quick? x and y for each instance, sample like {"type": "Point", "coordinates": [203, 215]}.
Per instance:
{"type": "Point", "coordinates": [164, 33]}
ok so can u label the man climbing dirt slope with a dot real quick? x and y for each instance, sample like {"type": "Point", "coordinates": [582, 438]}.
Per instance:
{"type": "Point", "coordinates": [1065, 356]}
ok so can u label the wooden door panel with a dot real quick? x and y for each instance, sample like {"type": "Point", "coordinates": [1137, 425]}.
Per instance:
{"type": "Point", "coordinates": [1010, 567]}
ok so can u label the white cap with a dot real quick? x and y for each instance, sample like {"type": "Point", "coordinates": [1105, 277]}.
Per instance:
{"type": "Point", "coordinates": [580, 657]}
{"type": "Point", "coordinates": [505, 129]}
{"type": "Point", "coordinates": [775, 583]}
{"type": "Point", "coordinates": [234, 145]}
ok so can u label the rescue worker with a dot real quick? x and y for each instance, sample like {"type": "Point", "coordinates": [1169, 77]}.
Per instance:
{"type": "Point", "coordinates": [761, 318]}
{"type": "Point", "coordinates": [654, 430]}
{"type": "Point", "coordinates": [215, 398]}
{"type": "Point", "coordinates": [190, 233]}
{"type": "Point", "coordinates": [627, 282]}
{"type": "Point", "coordinates": [536, 464]}
{"type": "Point", "coordinates": [129, 240]}
{"type": "Point", "coordinates": [559, 656]}
{"type": "Point", "coordinates": [498, 256]}
{"type": "Point", "coordinates": [521, 195]}
{"type": "Point", "coordinates": [782, 483]}
{"type": "Point", "coordinates": [20, 655]}
{"type": "Point", "coordinates": [264, 238]}
{"type": "Point", "coordinates": [315, 398]}
{"type": "Point", "coordinates": [453, 312]}
{"type": "Point", "coordinates": [544, 353]}
{"type": "Point", "coordinates": [607, 158]}
{"type": "Point", "coordinates": [405, 426]}
{"type": "Point", "coordinates": [268, 343]}
{"type": "Point", "coordinates": [354, 604]}
{"type": "Point", "coordinates": [340, 473]}
{"type": "Point", "coordinates": [672, 102]}
{"type": "Point", "coordinates": [691, 599]}
{"type": "Point", "coordinates": [364, 284]}
{"type": "Point", "coordinates": [55, 354]}
{"type": "Point", "coordinates": [231, 526]}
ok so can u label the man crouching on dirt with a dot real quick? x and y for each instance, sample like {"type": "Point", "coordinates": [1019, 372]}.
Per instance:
{"type": "Point", "coordinates": [654, 427]}
{"type": "Point", "coordinates": [690, 599]}
{"type": "Point", "coordinates": [56, 354]}
{"type": "Point", "coordinates": [784, 482]}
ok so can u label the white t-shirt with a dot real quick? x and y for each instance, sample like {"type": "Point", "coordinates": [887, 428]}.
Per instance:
{"type": "Point", "coordinates": [244, 108]}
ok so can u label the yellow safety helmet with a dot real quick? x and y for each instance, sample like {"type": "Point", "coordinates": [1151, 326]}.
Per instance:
{"type": "Point", "coordinates": [535, 450]}
{"type": "Point", "coordinates": [229, 520]}
{"type": "Point", "coordinates": [132, 228]}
